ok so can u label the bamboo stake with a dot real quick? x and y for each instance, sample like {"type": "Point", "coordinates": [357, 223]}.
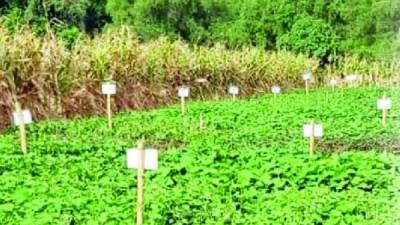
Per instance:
{"type": "Point", "coordinates": [312, 138]}
{"type": "Point", "coordinates": [306, 87]}
{"type": "Point", "coordinates": [201, 122]}
{"type": "Point", "coordinates": [183, 105]}
{"type": "Point", "coordinates": [22, 130]}
{"type": "Point", "coordinates": [109, 112]}
{"type": "Point", "coordinates": [140, 184]}
{"type": "Point", "coordinates": [384, 111]}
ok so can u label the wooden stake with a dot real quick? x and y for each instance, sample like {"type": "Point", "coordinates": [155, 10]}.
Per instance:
{"type": "Point", "coordinates": [109, 112]}
{"type": "Point", "coordinates": [140, 184]}
{"type": "Point", "coordinates": [312, 138]}
{"type": "Point", "coordinates": [22, 131]}
{"type": "Point", "coordinates": [183, 105]}
{"type": "Point", "coordinates": [384, 112]}
{"type": "Point", "coordinates": [234, 97]}
{"type": "Point", "coordinates": [306, 87]}
{"type": "Point", "coordinates": [201, 122]}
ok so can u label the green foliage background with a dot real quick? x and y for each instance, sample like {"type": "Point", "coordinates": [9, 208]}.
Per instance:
{"type": "Point", "coordinates": [316, 27]}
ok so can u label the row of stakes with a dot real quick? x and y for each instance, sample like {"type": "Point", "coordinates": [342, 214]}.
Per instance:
{"type": "Point", "coordinates": [143, 159]}
{"type": "Point", "coordinates": [109, 88]}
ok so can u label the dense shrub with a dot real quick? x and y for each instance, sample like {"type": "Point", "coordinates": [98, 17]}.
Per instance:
{"type": "Point", "coordinates": [88, 15]}
{"type": "Point", "coordinates": [181, 18]}
{"type": "Point", "coordinates": [311, 36]}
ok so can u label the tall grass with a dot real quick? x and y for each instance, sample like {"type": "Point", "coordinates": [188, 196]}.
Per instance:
{"type": "Point", "coordinates": [55, 81]}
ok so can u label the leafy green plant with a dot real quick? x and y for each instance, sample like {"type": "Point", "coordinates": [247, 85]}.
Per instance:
{"type": "Point", "coordinates": [69, 36]}
{"type": "Point", "coordinates": [250, 165]}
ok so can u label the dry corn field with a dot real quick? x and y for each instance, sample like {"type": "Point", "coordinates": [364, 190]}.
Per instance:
{"type": "Point", "coordinates": [55, 81]}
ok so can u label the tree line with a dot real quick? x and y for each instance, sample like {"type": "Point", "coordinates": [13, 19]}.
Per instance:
{"type": "Point", "coordinates": [322, 28]}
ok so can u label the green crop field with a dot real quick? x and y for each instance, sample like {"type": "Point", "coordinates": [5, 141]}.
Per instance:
{"type": "Point", "coordinates": [250, 165]}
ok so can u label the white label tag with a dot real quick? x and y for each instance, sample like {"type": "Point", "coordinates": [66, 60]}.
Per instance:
{"type": "Point", "coordinates": [201, 80]}
{"type": "Point", "coordinates": [233, 90]}
{"type": "Point", "coordinates": [150, 158]}
{"type": "Point", "coordinates": [276, 89]}
{"type": "Point", "coordinates": [333, 82]}
{"type": "Point", "coordinates": [26, 116]}
{"type": "Point", "coordinates": [109, 88]}
{"type": "Point", "coordinates": [318, 130]}
{"type": "Point", "coordinates": [307, 76]}
{"type": "Point", "coordinates": [384, 104]}
{"type": "Point", "coordinates": [352, 77]}
{"type": "Point", "coordinates": [184, 92]}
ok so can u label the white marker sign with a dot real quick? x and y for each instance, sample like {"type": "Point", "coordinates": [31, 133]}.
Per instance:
{"type": "Point", "coordinates": [184, 92]}
{"type": "Point", "coordinates": [276, 89]}
{"type": "Point", "coordinates": [318, 130]}
{"type": "Point", "coordinates": [333, 82]}
{"type": "Point", "coordinates": [26, 116]}
{"type": "Point", "coordinates": [307, 76]}
{"type": "Point", "coordinates": [233, 90]}
{"type": "Point", "coordinates": [150, 158]}
{"type": "Point", "coordinates": [109, 88]}
{"type": "Point", "coordinates": [384, 104]}
{"type": "Point", "coordinates": [351, 77]}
